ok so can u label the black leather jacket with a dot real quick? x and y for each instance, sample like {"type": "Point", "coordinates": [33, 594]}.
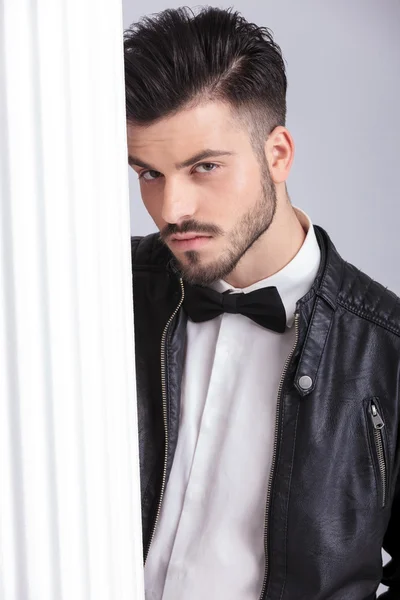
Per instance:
{"type": "Point", "coordinates": [333, 496]}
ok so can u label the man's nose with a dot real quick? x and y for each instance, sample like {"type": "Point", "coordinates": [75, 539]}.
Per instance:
{"type": "Point", "coordinates": [179, 203]}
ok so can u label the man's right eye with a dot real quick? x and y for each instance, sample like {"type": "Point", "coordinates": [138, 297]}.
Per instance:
{"type": "Point", "coordinates": [149, 175]}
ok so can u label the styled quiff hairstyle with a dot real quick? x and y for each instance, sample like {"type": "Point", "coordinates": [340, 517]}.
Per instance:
{"type": "Point", "coordinates": [177, 59]}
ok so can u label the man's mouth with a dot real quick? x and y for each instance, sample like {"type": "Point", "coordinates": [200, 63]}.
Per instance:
{"type": "Point", "coordinates": [189, 241]}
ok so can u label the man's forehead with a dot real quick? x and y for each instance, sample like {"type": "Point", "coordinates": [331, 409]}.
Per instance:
{"type": "Point", "coordinates": [203, 132]}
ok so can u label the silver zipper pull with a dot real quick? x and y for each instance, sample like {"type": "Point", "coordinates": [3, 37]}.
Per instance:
{"type": "Point", "coordinates": [376, 418]}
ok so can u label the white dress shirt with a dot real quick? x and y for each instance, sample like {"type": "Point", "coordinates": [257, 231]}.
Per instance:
{"type": "Point", "coordinates": [209, 542]}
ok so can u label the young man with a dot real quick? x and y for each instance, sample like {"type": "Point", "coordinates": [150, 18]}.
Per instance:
{"type": "Point", "coordinates": [268, 368]}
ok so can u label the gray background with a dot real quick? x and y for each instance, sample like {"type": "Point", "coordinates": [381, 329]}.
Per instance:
{"type": "Point", "coordinates": [343, 66]}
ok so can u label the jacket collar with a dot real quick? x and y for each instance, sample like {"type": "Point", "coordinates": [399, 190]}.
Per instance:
{"type": "Point", "coordinates": [328, 282]}
{"type": "Point", "coordinates": [325, 290]}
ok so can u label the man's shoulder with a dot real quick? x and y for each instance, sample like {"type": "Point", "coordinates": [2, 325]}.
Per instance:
{"type": "Point", "coordinates": [369, 299]}
{"type": "Point", "coordinates": [149, 253]}
{"type": "Point", "coordinates": [345, 285]}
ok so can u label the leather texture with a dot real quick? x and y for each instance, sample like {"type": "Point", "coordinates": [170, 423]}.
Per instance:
{"type": "Point", "coordinates": [327, 523]}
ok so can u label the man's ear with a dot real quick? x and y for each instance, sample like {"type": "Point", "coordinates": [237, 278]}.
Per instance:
{"type": "Point", "coordinates": [279, 152]}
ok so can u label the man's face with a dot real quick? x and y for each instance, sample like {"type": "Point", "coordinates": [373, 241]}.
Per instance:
{"type": "Point", "coordinates": [207, 191]}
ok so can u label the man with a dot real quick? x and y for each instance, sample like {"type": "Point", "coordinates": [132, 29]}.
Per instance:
{"type": "Point", "coordinates": [268, 369]}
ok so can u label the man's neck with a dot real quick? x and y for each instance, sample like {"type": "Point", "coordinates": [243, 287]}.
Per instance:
{"type": "Point", "coordinates": [272, 251]}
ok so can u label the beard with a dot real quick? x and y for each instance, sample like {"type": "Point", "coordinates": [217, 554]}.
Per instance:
{"type": "Point", "coordinates": [246, 232]}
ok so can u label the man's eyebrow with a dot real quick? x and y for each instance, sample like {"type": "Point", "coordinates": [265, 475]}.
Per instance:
{"type": "Point", "coordinates": [208, 153]}
{"type": "Point", "coordinates": [204, 154]}
{"type": "Point", "coordinates": [134, 161]}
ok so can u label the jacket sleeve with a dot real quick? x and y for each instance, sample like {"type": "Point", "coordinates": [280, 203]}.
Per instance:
{"type": "Point", "coordinates": [391, 544]}
{"type": "Point", "coordinates": [134, 244]}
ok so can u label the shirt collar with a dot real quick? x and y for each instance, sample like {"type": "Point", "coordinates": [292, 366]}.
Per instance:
{"type": "Point", "coordinates": [296, 278]}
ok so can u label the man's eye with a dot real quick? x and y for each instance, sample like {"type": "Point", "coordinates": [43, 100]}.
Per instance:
{"type": "Point", "coordinates": [206, 167]}
{"type": "Point", "coordinates": [150, 175]}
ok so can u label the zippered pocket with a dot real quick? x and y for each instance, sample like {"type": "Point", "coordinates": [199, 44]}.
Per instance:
{"type": "Point", "coordinates": [378, 426]}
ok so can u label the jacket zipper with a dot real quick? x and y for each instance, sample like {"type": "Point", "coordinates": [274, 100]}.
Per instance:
{"type": "Point", "coordinates": [378, 425]}
{"type": "Point", "coordinates": [164, 406]}
{"type": "Point", "coordinates": [274, 453]}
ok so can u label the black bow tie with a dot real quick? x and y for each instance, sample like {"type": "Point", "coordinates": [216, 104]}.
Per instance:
{"type": "Point", "coordinates": [264, 306]}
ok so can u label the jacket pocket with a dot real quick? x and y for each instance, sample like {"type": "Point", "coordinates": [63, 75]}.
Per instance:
{"type": "Point", "coordinates": [377, 428]}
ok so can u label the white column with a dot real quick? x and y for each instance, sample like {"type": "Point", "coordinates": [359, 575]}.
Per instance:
{"type": "Point", "coordinates": [69, 479]}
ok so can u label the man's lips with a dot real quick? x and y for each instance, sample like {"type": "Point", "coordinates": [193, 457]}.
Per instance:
{"type": "Point", "coordinates": [189, 241]}
{"type": "Point", "coordinates": [187, 236]}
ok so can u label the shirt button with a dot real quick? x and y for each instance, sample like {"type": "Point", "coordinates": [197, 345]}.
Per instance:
{"type": "Point", "coordinates": [305, 382]}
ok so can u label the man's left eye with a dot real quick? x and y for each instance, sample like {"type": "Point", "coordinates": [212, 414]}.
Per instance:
{"type": "Point", "coordinates": [206, 167]}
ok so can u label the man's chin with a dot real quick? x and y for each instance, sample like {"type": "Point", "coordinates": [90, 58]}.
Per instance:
{"type": "Point", "coordinates": [195, 274]}
{"type": "Point", "coordinates": [201, 272]}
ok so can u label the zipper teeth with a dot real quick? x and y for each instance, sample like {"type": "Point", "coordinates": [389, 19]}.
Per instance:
{"type": "Point", "coordinates": [381, 462]}
{"type": "Point", "coordinates": [164, 405]}
{"type": "Point", "coordinates": [269, 489]}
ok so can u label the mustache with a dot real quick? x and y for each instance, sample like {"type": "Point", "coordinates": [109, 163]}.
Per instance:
{"type": "Point", "coordinates": [190, 226]}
